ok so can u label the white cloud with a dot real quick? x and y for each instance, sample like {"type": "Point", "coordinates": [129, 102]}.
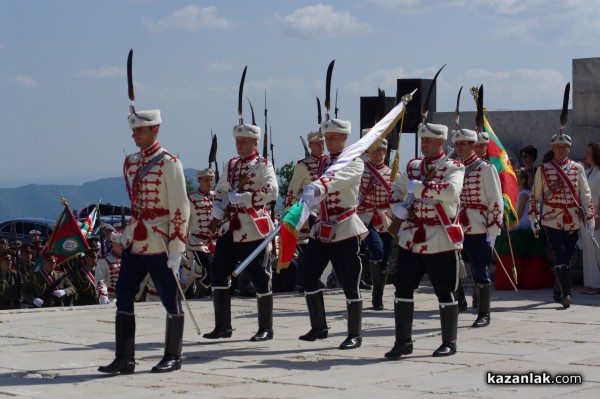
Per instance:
{"type": "Point", "coordinates": [26, 81]}
{"type": "Point", "coordinates": [218, 66]}
{"type": "Point", "coordinates": [102, 73]}
{"type": "Point", "coordinates": [321, 19]}
{"type": "Point", "coordinates": [165, 94]}
{"type": "Point", "coordinates": [190, 18]}
{"type": "Point", "coordinates": [569, 22]}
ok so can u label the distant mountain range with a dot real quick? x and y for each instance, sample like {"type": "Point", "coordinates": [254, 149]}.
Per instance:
{"type": "Point", "coordinates": [43, 200]}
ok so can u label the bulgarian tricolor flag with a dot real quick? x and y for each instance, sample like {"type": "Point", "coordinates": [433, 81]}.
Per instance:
{"type": "Point", "coordinates": [497, 156]}
{"type": "Point", "coordinates": [87, 226]}
{"type": "Point", "coordinates": [298, 213]}
{"type": "Point", "coordinates": [66, 240]}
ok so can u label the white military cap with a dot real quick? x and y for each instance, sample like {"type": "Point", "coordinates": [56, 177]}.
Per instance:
{"type": "Point", "coordinates": [34, 232]}
{"type": "Point", "coordinates": [378, 144]}
{"type": "Point", "coordinates": [315, 136]}
{"type": "Point", "coordinates": [246, 131]}
{"type": "Point", "coordinates": [483, 138]}
{"type": "Point", "coordinates": [115, 237]}
{"type": "Point", "coordinates": [433, 130]}
{"type": "Point", "coordinates": [205, 172]}
{"type": "Point", "coordinates": [144, 118]}
{"type": "Point", "coordinates": [464, 135]}
{"type": "Point", "coordinates": [561, 139]}
{"type": "Point", "coordinates": [336, 126]}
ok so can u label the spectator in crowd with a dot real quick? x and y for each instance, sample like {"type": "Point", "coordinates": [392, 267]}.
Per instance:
{"type": "Point", "coordinates": [591, 260]}
{"type": "Point", "coordinates": [528, 156]}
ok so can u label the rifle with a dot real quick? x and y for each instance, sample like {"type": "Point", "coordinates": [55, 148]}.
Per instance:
{"type": "Point", "coordinates": [306, 150]}
{"type": "Point", "coordinates": [336, 109]}
{"type": "Point", "coordinates": [265, 152]}
{"type": "Point", "coordinates": [47, 295]}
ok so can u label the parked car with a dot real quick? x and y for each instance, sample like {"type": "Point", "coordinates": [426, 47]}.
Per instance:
{"type": "Point", "coordinates": [106, 210]}
{"type": "Point", "coordinates": [18, 229]}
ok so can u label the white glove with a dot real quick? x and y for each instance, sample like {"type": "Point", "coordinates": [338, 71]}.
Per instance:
{"type": "Point", "coordinates": [534, 225]}
{"type": "Point", "coordinates": [310, 195]}
{"type": "Point", "coordinates": [217, 212]}
{"type": "Point", "coordinates": [491, 240]}
{"type": "Point", "coordinates": [590, 227]}
{"type": "Point", "coordinates": [410, 186]}
{"type": "Point", "coordinates": [38, 302]}
{"type": "Point", "coordinates": [174, 261]}
{"type": "Point", "coordinates": [104, 300]}
{"type": "Point", "coordinates": [399, 210]}
{"type": "Point", "coordinates": [235, 198]}
{"type": "Point", "coordinates": [59, 293]}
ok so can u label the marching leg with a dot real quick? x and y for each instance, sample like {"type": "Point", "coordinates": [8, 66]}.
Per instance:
{"type": "Point", "coordinates": [171, 360]}
{"type": "Point", "coordinates": [265, 318]}
{"type": "Point", "coordinates": [316, 312]}
{"type": "Point", "coordinates": [564, 282]}
{"type": "Point", "coordinates": [459, 294]}
{"type": "Point", "coordinates": [124, 362]}
{"type": "Point", "coordinates": [403, 315]}
{"type": "Point", "coordinates": [354, 339]}
{"type": "Point", "coordinates": [483, 306]}
{"type": "Point", "coordinates": [449, 322]}
{"type": "Point", "coordinates": [379, 277]}
{"type": "Point", "coordinates": [222, 304]}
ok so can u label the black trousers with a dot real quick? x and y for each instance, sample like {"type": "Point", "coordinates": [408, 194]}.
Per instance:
{"type": "Point", "coordinates": [227, 255]}
{"type": "Point", "coordinates": [134, 269]}
{"type": "Point", "coordinates": [442, 269]}
{"type": "Point", "coordinates": [344, 258]}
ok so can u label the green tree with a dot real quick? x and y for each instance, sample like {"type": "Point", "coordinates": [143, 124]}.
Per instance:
{"type": "Point", "coordinates": [189, 185]}
{"type": "Point", "coordinates": [284, 175]}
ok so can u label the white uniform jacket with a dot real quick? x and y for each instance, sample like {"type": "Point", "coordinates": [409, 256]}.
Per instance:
{"type": "Point", "coordinates": [199, 237]}
{"type": "Point", "coordinates": [553, 198]}
{"type": "Point", "coordinates": [250, 220]}
{"type": "Point", "coordinates": [106, 275]}
{"type": "Point", "coordinates": [305, 172]}
{"type": "Point", "coordinates": [338, 219]}
{"type": "Point", "coordinates": [374, 196]}
{"type": "Point", "coordinates": [481, 203]}
{"type": "Point", "coordinates": [425, 234]}
{"type": "Point", "coordinates": [159, 204]}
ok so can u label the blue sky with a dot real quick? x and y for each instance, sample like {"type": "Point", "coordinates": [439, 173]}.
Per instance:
{"type": "Point", "coordinates": [63, 92]}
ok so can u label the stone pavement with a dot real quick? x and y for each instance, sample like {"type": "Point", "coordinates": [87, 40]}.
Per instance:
{"type": "Point", "coordinates": [54, 353]}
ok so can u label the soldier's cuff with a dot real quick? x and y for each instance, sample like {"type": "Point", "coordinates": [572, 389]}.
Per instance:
{"type": "Point", "coordinates": [247, 200]}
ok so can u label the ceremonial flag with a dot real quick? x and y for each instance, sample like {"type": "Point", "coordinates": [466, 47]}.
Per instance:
{"type": "Point", "coordinates": [497, 156]}
{"type": "Point", "coordinates": [67, 239]}
{"type": "Point", "coordinates": [298, 213]}
{"type": "Point", "coordinates": [87, 226]}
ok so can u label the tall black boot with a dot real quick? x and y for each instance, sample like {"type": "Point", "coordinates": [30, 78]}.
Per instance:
{"type": "Point", "coordinates": [316, 312]}
{"type": "Point", "coordinates": [483, 306]}
{"type": "Point", "coordinates": [124, 362]}
{"type": "Point", "coordinates": [171, 361]}
{"type": "Point", "coordinates": [403, 314]}
{"type": "Point", "coordinates": [556, 290]}
{"type": "Point", "coordinates": [354, 338]}
{"type": "Point", "coordinates": [379, 277]}
{"type": "Point", "coordinates": [460, 297]}
{"type": "Point", "coordinates": [265, 318]}
{"type": "Point", "coordinates": [564, 282]}
{"type": "Point", "coordinates": [475, 294]}
{"type": "Point", "coordinates": [222, 304]}
{"type": "Point", "coordinates": [449, 322]}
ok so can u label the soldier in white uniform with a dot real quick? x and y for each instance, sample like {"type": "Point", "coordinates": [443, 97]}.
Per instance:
{"type": "Point", "coordinates": [108, 268]}
{"type": "Point", "coordinates": [245, 190]}
{"type": "Point", "coordinates": [429, 239]}
{"type": "Point", "coordinates": [201, 242]}
{"type": "Point", "coordinates": [335, 237]}
{"type": "Point", "coordinates": [305, 172]}
{"type": "Point", "coordinates": [480, 215]}
{"type": "Point", "coordinates": [561, 202]}
{"type": "Point", "coordinates": [153, 240]}
{"type": "Point", "coordinates": [374, 210]}
{"type": "Point", "coordinates": [481, 146]}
